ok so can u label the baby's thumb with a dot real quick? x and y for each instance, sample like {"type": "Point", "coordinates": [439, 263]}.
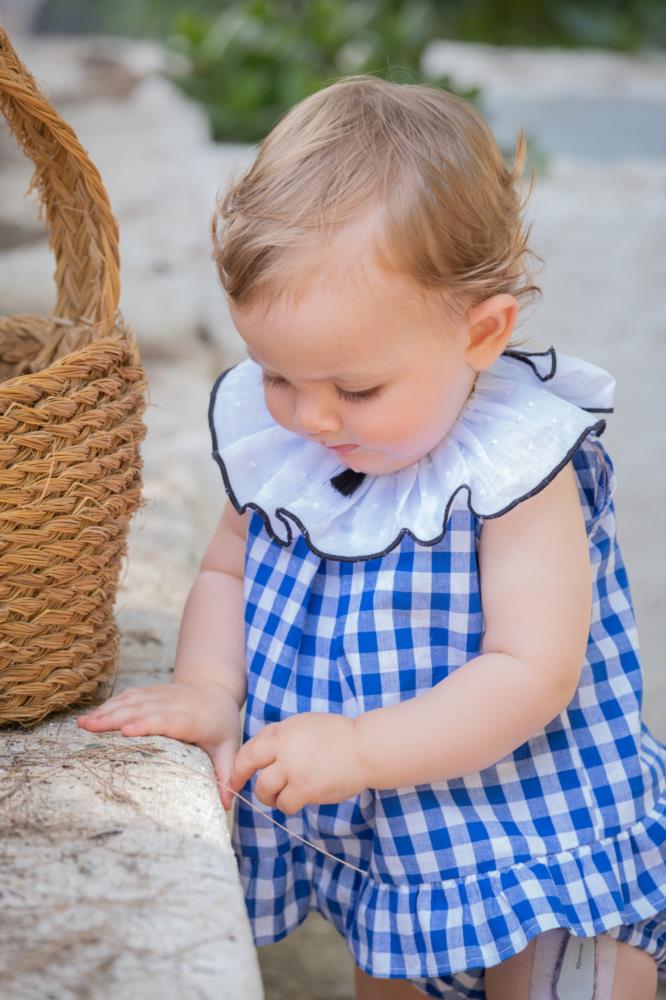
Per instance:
{"type": "Point", "coordinates": [223, 761]}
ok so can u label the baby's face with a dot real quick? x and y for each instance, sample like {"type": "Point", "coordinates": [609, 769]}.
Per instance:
{"type": "Point", "coordinates": [364, 359]}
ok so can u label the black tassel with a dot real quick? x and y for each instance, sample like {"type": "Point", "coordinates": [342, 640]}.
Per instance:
{"type": "Point", "coordinates": [347, 482]}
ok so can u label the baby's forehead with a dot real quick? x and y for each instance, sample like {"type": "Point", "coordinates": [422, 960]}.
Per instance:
{"type": "Point", "coordinates": [337, 312]}
{"type": "Point", "coordinates": [350, 285]}
{"type": "Point", "coordinates": [327, 341]}
{"type": "Point", "coordinates": [349, 258]}
{"type": "Point", "coordinates": [312, 368]}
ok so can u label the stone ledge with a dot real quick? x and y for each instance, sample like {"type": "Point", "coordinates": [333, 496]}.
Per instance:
{"type": "Point", "coordinates": [118, 877]}
{"type": "Point", "coordinates": [118, 873]}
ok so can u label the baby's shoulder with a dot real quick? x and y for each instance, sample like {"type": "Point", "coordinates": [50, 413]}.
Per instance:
{"type": "Point", "coordinates": [225, 552]}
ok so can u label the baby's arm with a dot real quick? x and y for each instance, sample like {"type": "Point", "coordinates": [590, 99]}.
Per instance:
{"type": "Point", "coordinates": [536, 596]}
{"type": "Point", "coordinates": [211, 641]}
{"type": "Point", "coordinates": [202, 704]}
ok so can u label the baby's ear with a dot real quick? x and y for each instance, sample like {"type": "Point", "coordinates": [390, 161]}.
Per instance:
{"type": "Point", "coordinates": [490, 325]}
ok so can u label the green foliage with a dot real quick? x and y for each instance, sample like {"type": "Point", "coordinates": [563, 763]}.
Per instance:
{"type": "Point", "coordinates": [250, 60]}
{"type": "Point", "coordinates": [257, 58]}
{"type": "Point", "coordinates": [614, 24]}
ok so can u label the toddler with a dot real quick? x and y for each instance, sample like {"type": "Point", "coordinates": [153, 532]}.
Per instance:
{"type": "Point", "coordinates": [415, 586]}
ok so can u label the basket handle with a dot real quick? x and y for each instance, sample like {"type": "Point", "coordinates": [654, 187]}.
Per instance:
{"type": "Point", "coordinates": [83, 230]}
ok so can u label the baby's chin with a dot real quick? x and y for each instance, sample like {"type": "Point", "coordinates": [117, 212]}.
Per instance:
{"type": "Point", "coordinates": [363, 460]}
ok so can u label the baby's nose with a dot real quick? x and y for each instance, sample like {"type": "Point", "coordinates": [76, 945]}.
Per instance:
{"type": "Point", "coordinates": [314, 415]}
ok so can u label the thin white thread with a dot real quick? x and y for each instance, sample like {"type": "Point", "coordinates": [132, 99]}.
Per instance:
{"type": "Point", "coordinates": [297, 835]}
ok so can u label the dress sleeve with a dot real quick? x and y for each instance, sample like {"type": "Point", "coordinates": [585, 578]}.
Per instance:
{"type": "Point", "coordinates": [595, 476]}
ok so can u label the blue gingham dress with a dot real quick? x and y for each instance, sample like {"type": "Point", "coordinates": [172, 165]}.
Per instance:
{"type": "Point", "coordinates": [435, 882]}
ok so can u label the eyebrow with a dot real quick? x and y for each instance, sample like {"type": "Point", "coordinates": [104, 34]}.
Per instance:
{"type": "Point", "coordinates": [340, 378]}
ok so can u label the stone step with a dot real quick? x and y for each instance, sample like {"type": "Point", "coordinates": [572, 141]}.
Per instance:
{"type": "Point", "coordinates": [118, 877]}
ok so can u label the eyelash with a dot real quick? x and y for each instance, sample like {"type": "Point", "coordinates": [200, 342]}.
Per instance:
{"type": "Point", "coordinates": [351, 397]}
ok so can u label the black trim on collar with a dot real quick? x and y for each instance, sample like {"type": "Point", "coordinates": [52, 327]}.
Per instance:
{"type": "Point", "coordinates": [525, 356]}
{"type": "Point", "coordinates": [286, 516]}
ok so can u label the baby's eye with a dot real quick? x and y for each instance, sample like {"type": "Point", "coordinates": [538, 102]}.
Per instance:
{"type": "Point", "coordinates": [346, 394]}
{"type": "Point", "coordinates": [269, 379]}
{"type": "Point", "coordinates": [358, 397]}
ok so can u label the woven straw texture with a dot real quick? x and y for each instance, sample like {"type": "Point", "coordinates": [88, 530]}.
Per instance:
{"type": "Point", "coordinates": [72, 396]}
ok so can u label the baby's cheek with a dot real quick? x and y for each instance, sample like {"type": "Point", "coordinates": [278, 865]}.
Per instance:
{"type": "Point", "coordinates": [279, 409]}
{"type": "Point", "coordinates": [392, 429]}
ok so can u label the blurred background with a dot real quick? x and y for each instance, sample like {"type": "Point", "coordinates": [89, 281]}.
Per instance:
{"type": "Point", "coordinates": [170, 97]}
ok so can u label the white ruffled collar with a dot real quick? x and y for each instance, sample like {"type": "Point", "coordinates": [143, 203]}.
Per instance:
{"type": "Point", "coordinates": [525, 417]}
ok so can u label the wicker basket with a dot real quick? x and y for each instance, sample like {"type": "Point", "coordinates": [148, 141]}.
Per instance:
{"type": "Point", "coordinates": [71, 404]}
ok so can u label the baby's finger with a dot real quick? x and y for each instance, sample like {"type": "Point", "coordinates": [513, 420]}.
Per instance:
{"type": "Point", "coordinates": [107, 706]}
{"type": "Point", "coordinates": [270, 783]}
{"type": "Point", "coordinates": [105, 721]}
{"type": "Point", "coordinates": [157, 723]}
{"type": "Point", "coordinates": [289, 801]}
{"type": "Point", "coordinates": [135, 698]}
{"type": "Point", "coordinates": [222, 760]}
{"type": "Point", "coordinates": [259, 751]}
{"type": "Point", "coordinates": [130, 696]}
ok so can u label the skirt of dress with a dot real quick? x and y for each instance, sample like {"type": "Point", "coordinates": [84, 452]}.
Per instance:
{"type": "Point", "coordinates": [650, 935]}
{"type": "Point", "coordinates": [427, 933]}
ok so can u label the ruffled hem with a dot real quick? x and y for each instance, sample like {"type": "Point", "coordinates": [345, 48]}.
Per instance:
{"type": "Point", "coordinates": [439, 928]}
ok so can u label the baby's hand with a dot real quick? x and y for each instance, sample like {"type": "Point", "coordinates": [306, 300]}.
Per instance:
{"type": "Point", "coordinates": [309, 757]}
{"type": "Point", "coordinates": [205, 714]}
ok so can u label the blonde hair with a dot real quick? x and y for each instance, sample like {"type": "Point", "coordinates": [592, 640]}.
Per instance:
{"type": "Point", "coordinates": [449, 209]}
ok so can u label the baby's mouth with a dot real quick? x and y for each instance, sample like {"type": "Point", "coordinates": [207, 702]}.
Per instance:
{"type": "Point", "coordinates": [342, 449]}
